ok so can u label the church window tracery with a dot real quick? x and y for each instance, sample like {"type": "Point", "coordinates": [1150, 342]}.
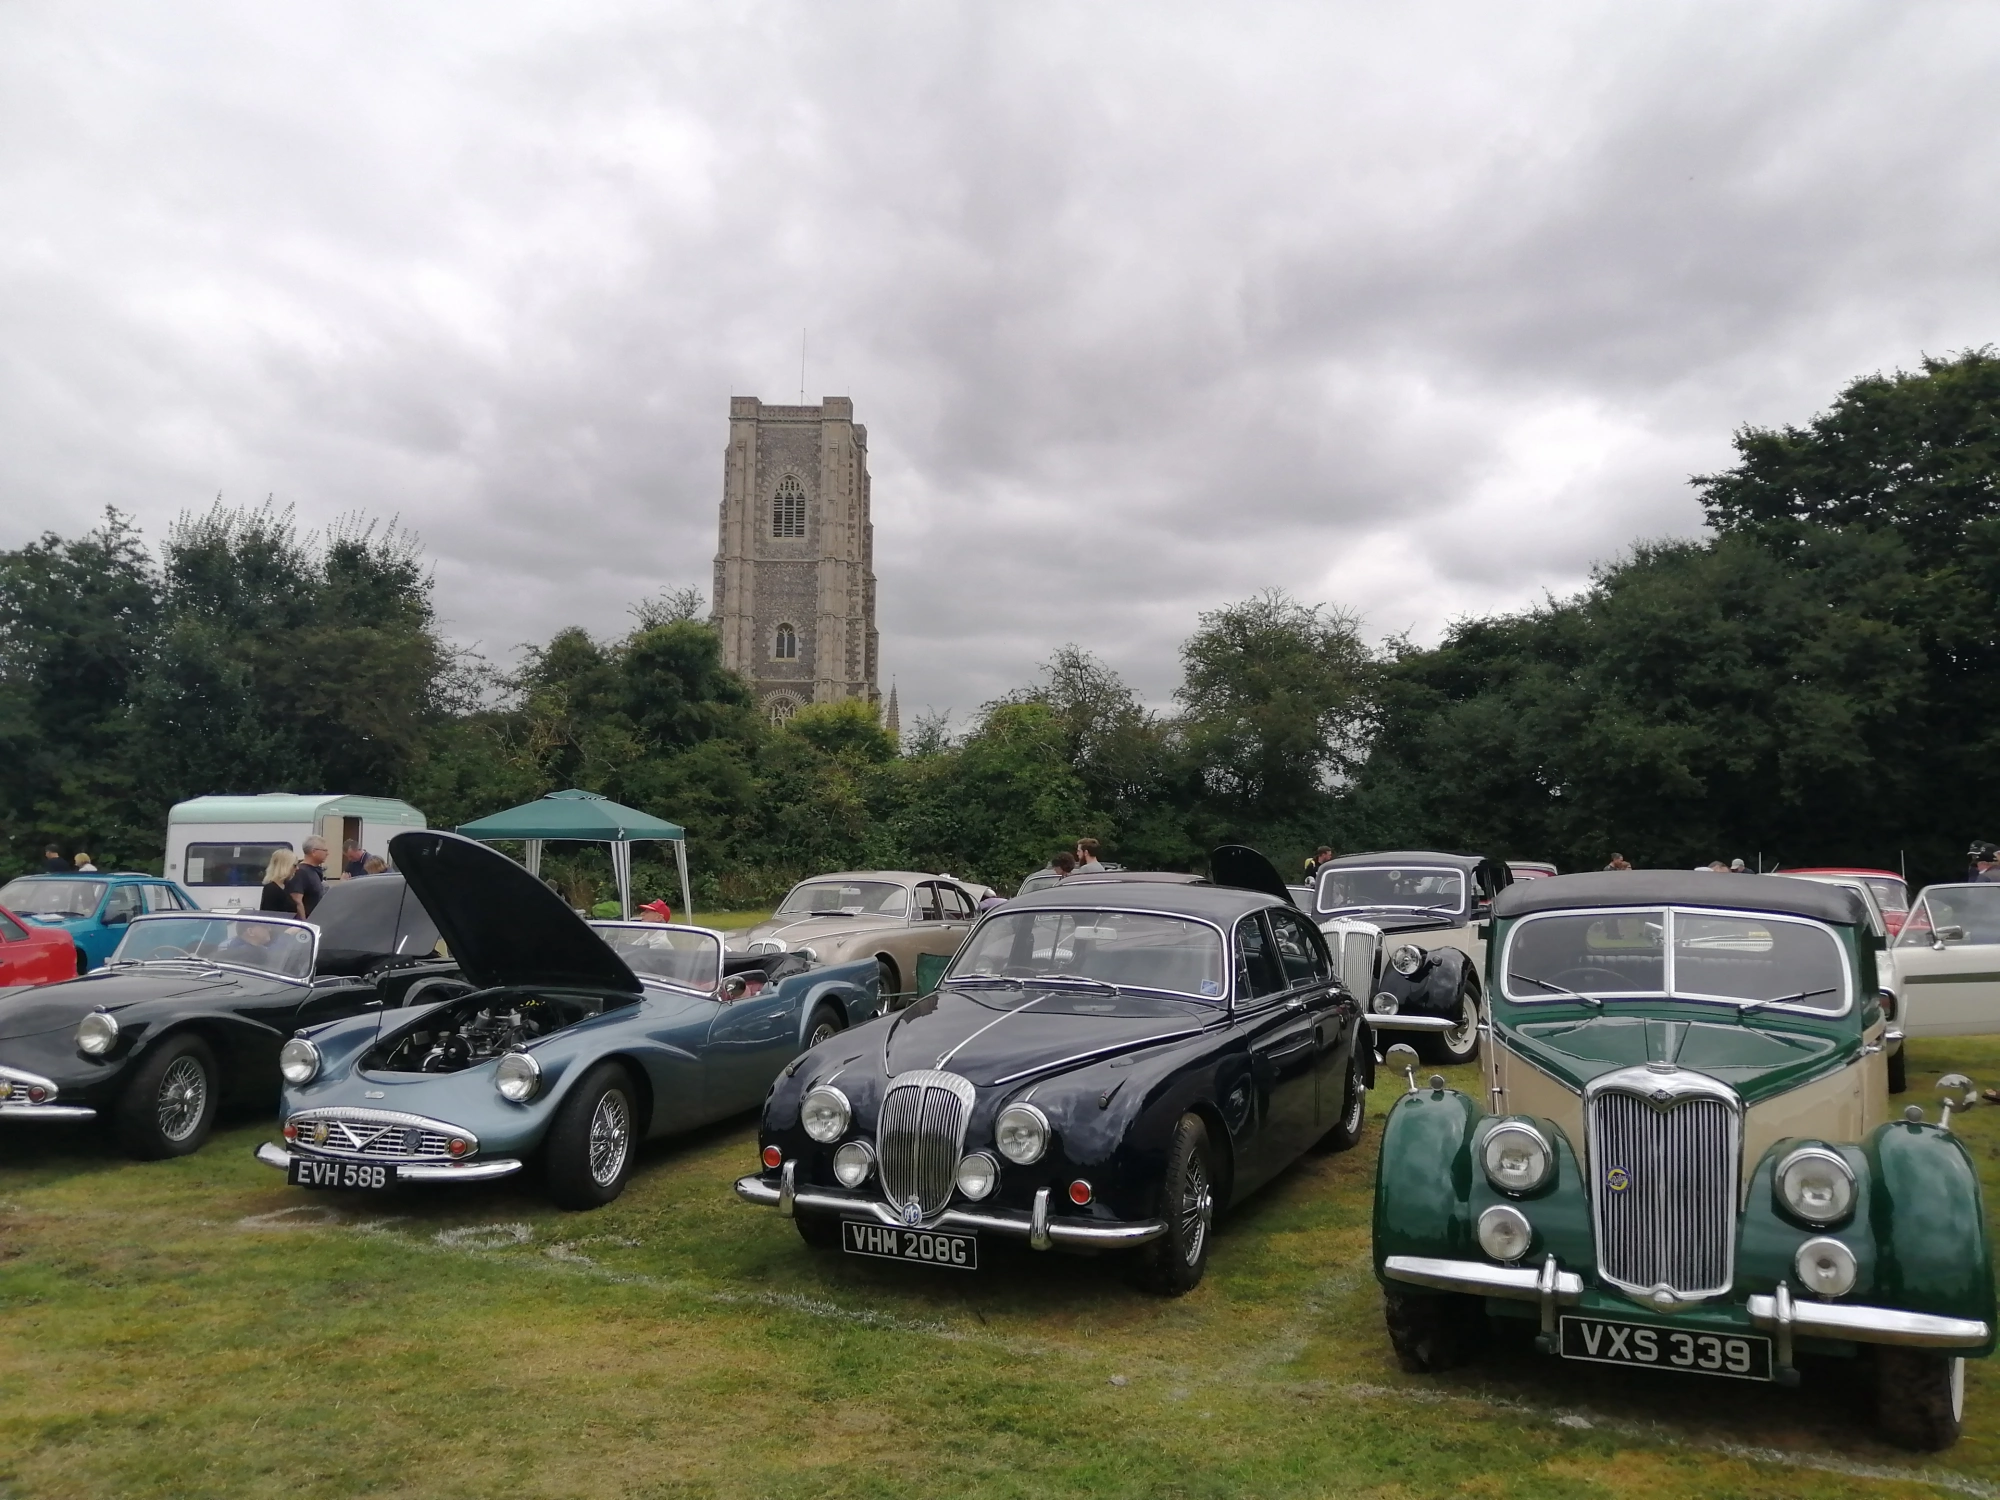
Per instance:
{"type": "Point", "coordinates": [785, 646]}
{"type": "Point", "coordinates": [788, 508]}
{"type": "Point", "coordinates": [780, 706]}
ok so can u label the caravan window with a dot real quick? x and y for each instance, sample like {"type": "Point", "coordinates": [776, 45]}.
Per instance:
{"type": "Point", "coordinates": [228, 864]}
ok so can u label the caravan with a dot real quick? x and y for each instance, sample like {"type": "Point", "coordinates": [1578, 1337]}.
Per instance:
{"type": "Point", "coordinates": [217, 847]}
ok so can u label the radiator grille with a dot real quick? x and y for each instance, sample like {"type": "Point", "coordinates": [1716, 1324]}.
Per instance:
{"type": "Point", "coordinates": [1665, 1192]}
{"type": "Point", "coordinates": [919, 1139]}
{"type": "Point", "coordinates": [376, 1135]}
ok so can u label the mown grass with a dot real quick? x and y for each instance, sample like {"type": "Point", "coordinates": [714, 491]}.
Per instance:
{"type": "Point", "coordinates": [729, 921]}
{"type": "Point", "coordinates": [195, 1327]}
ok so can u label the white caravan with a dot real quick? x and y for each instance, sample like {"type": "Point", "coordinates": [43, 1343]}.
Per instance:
{"type": "Point", "coordinates": [217, 847]}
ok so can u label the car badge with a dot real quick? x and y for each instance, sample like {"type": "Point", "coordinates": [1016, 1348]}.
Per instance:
{"type": "Point", "coordinates": [374, 1094]}
{"type": "Point", "coordinates": [319, 1133]}
{"type": "Point", "coordinates": [912, 1213]}
{"type": "Point", "coordinates": [1617, 1179]}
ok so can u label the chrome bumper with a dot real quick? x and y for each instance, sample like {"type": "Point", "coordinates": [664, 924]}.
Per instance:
{"type": "Point", "coordinates": [1037, 1227]}
{"type": "Point", "coordinates": [271, 1154]}
{"type": "Point", "coordinates": [17, 1082]}
{"type": "Point", "coordinates": [1479, 1279]}
{"type": "Point", "coordinates": [1869, 1325]}
{"type": "Point", "coordinates": [46, 1112]}
{"type": "Point", "coordinates": [1413, 1023]}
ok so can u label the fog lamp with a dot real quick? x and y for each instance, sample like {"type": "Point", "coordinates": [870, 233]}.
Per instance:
{"type": "Point", "coordinates": [518, 1077]}
{"type": "Point", "coordinates": [1816, 1185]}
{"type": "Point", "coordinates": [978, 1175]}
{"type": "Point", "coordinates": [852, 1163]}
{"type": "Point", "coordinates": [1021, 1133]}
{"type": "Point", "coordinates": [1826, 1267]}
{"type": "Point", "coordinates": [1385, 1004]}
{"type": "Point", "coordinates": [825, 1112]}
{"type": "Point", "coordinates": [458, 1146]}
{"type": "Point", "coordinates": [290, 1131]}
{"type": "Point", "coordinates": [298, 1060]}
{"type": "Point", "coordinates": [1079, 1192]}
{"type": "Point", "coordinates": [36, 1093]}
{"type": "Point", "coordinates": [97, 1033]}
{"type": "Point", "coordinates": [1407, 959]}
{"type": "Point", "coordinates": [1504, 1232]}
{"type": "Point", "coordinates": [1517, 1157]}
{"type": "Point", "coordinates": [773, 1157]}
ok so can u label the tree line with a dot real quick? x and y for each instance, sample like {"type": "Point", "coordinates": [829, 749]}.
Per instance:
{"type": "Point", "coordinates": [1816, 680]}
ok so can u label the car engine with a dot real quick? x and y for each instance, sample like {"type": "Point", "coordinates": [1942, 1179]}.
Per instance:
{"type": "Point", "coordinates": [455, 1037]}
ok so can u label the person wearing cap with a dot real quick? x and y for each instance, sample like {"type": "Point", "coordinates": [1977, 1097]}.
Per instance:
{"type": "Point", "coordinates": [656, 911]}
{"type": "Point", "coordinates": [1985, 859]}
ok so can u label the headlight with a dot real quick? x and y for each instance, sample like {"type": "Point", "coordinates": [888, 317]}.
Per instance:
{"type": "Point", "coordinates": [852, 1163]}
{"type": "Point", "coordinates": [97, 1033]}
{"type": "Point", "coordinates": [1407, 959]}
{"type": "Point", "coordinates": [978, 1175]}
{"type": "Point", "coordinates": [518, 1077]}
{"type": "Point", "coordinates": [1816, 1185]}
{"type": "Point", "coordinates": [1826, 1267]}
{"type": "Point", "coordinates": [1385, 1004]}
{"type": "Point", "coordinates": [1021, 1133]}
{"type": "Point", "coordinates": [298, 1060]}
{"type": "Point", "coordinates": [1504, 1232]}
{"type": "Point", "coordinates": [825, 1112]}
{"type": "Point", "coordinates": [1517, 1157]}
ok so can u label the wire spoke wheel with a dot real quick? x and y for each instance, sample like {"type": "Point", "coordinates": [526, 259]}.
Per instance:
{"type": "Point", "coordinates": [1197, 1211]}
{"type": "Point", "coordinates": [610, 1137]}
{"type": "Point", "coordinates": [183, 1098]}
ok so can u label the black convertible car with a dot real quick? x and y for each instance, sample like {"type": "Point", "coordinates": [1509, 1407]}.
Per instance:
{"type": "Point", "coordinates": [191, 1010]}
{"type": "Point", "coordinates": [1104, 1066]}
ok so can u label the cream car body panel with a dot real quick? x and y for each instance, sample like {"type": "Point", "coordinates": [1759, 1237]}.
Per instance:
{"type": "Point", "coordinates": [934, 915]}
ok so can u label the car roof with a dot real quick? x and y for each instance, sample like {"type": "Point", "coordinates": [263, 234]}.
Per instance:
{"type": "Point", "coordinates": [1121, 877]}
{"type": "Point", "coordinates": [903, 877]}
{"type": "Point", "coordinates": [1715, 888]}
{"type": "Point", "coordinates": [1843, 870]}
{"type": "Point", "coordinates": [91, 875]}
{"type": "Point", "coordinates": [1408, 857]}
{"type": "Point", "coordinates": [1215, 902]}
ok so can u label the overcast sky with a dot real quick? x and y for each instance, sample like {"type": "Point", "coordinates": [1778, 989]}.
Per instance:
{"type": "Point", "coordinates": [1417, 309]}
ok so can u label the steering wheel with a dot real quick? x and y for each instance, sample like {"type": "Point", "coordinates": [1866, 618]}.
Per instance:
{"type": "Point", "coordinates": [1581, 979]}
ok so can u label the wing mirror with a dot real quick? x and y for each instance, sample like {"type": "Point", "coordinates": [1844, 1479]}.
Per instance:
{"type": "Point", "coordinates": [1949, 1085]}
{"type": "Point", "coordinates": [1403, 1058]}
{"type": "Point", "coordinates": [1942, 935]}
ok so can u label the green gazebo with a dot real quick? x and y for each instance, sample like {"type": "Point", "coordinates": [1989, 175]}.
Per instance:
{"type": "Point", "coordinates": [587, 818]}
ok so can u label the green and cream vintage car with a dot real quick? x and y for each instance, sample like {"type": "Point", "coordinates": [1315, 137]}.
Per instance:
{"type": "Point", "coordinates": [1684, 1158]}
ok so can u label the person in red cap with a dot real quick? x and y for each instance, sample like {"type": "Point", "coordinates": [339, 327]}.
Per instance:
{"type": "Point", "coordinates": [656, 911]}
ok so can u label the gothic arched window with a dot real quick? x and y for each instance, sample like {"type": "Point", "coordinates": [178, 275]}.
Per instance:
{"type": "Point", "coordinates": [785, 646]}
{"type": "Point", "coordinates": [788, 508]}
{"type": "Point", "coordinates": [780, 706]}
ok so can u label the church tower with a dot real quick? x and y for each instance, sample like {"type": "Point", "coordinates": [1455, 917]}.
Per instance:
{"type": "Point", "coordinates": [795, 564]}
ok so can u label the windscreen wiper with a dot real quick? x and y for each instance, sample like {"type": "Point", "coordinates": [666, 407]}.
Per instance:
{"type": "Point", "coordinates": [1100, 984]}
{"type": "Point", "coordinates": [1554, 989]}
{"type": "Point", "coordinates": [1744, 1007]}
{"type": "Point", "coordinates": [1011, 980]}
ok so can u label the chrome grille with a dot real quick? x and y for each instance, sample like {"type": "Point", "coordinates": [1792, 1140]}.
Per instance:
{"type": "Point", "coordinates": [919, 1138]}
{"type": "Point", "coordinates": [378, 1135]}
{"type": "Point", "coordinates": [1664, 1154]}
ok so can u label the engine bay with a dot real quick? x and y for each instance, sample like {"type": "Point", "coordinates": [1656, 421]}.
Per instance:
{"type": "Point", "coordinates": [475, 1030]}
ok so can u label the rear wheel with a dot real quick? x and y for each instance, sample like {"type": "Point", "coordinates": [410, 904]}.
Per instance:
{"type": "Point", "coordinates": [1432, 1331]}
{"type": "Point", "coordinates": [169, 1106]}
{"type": "Point", "coordinates": [825, 1024]}
{"type": "Point", "coordinates": [889, 979]}
{"type": "Point", "coordinates": [1346, 1132]}
{"type": "Point", "coordinates": [588, 1153]}
{"type": "Point", "coordinates": [1460, 1045]}
{"type": "Point", "coordinates": [1173, 1264]}
{"type": "Point", "coordinates": [1919, 1398]}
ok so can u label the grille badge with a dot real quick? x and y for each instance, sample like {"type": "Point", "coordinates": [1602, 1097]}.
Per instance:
{"type": "Point", "coordinates": [1617, 1179]}
{"type": "Point", "coordinates": [913, 1212]}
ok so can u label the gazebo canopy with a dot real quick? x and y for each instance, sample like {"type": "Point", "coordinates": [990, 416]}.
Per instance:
{"type": "Point", "coordinates": [591, 818]}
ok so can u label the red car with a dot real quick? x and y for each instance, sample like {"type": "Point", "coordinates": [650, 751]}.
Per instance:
{"type": "Point", "coordinates": [1889, 888]}
{"type": "Point", "coordinates": [33, 954]}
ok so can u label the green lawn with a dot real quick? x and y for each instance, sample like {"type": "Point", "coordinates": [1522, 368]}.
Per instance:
{"type": "Point", "coordinates": [197, 1328]}
{"type": "Point", "coordinates": [729, 921]}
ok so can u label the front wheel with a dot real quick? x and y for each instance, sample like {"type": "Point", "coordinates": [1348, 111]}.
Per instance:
{"type": "Point", "coordinates": [824, 1025]}
{"type": "Point", "coordinates": [1919, 1398]}
{"type": "Point", "coordinates": [1432, 1331]}
{"type": "Point", "coordinates": [588, 1153]}
{"type": "Point", "coordinates": [1173, 1264]}
{"type": "Point", "coordinates": [888, 981]}
{"type": "Point", "coordinates": [169, 1106]}
{"type": "Point", "coordinates": [1346, 1132]}
{"type": "Point", "coordinates": [1460, 1045]}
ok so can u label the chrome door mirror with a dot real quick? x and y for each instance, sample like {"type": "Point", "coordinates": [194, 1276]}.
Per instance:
{"type": "Point", "coordinates": [1942, 935]}
{"type": "Point", "coordinates": [1950, 1084]}
{"type": "Point", "coordinates": [1403, 1057]}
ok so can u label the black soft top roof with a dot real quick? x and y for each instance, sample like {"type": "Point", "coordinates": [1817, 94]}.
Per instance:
{"type": "Point", "coordinates": [1412, 857]}
{"type": "Point", "coordinates": [1771, 893]}
{"type": "Point", "coordinates": [1215, 902]}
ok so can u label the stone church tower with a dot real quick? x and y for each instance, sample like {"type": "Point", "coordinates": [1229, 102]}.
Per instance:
{"type": "Point", "coordinates": [795, 566]}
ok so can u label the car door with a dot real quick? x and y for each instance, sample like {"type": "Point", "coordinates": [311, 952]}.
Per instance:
{"type": "Point", "coordinates": [1309, 975]}
{"type": "Point", "coordinates": [1280, 1033]}
{"type": "Point", "coordinates": [100, 938]}
{"type": "Point", "coordinates": [1947, 963]}
{"type": "Point", "coordinates": [959, 911]}
{"type": "Point", "coordinates": [20, 959]}
{"type": "Point", "coordinates": [752, 1035]}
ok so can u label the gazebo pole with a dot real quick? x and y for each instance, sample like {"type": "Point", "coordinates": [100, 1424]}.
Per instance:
{"type": "Point", "coordinates": [681, 859]}
{"type": "Point", "coordinates": [532, 856]}
{"type": "Point", "coordinates": [621, 866]}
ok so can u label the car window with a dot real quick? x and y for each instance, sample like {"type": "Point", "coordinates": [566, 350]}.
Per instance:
{"type": "Point", "coordinates": [160, 898]}
{"type": "Point", "coordinates": [1301, 950]}
{"type": "Point", "coordinates": [1135, 950]}
{"type": "Point", "coordinates": [928, 909]}
{"type": "Point", "coordinates": [956, 907]}
{"type": "Point", "coordinates": [123, 905]}
{"type": "Point", "coordinates": [33, 897]}
{"type": "Point", "coordinates": [677, 955]}
{"type": "Point", "coordinates": [851, 898]}
{"type": "Point", "coordinates": [1258, 972]}
{"type": "Point", "coordinates": [229, 864]}
{"type": "Point", "coordinates": [1954, 915]}
{"type": "Point", "coordinates": [1699, 955]}
{"type": "Point", "coordinates": [1424, 888]}
{"type": "Point", "coordinates": [247, 942]}
{"type": "Point", "coordinates": [12, 931]}
{"type": "Point", "coordinates": [1891, 894]}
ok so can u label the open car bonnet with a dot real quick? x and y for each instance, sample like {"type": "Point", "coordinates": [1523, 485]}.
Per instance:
{"type": "Point", "coordinates": [363, 921]}
{"type": "Point", "coordinates": [1240, 866]}
{"type": "Point", "coordinates": [503, 926]}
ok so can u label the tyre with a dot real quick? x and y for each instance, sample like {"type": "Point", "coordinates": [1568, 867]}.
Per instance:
{"type": "Point", "coordinates": [1919, 1398]}
{"type": "Point", "coordinates": [1460, 1045]}
{"type": "Point", "coordinates": [169, 1106]}
{"type": "Point", "coordinates": [588, 1153]}
{"type": "Point", "coordinates": [1899, 1076]}
{"type": "Point", "coordinates": [1432, 1331]}
{"type": "Point", "coordinates": [1173, 1264]}
{"type": "Point", "coordinates": [824, 1023]}
{"type": "Point", "coordinates": [1347, 1130]}
{"type": "Point", "coordinates": [819, 1231]}
{"type": "Point", "coordinates": [890, 981]}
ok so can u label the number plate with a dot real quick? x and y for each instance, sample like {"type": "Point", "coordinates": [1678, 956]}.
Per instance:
{"type": "Point", "coordinates": [929, 1247]}
{"type": "Point", "coordinates": [1740, 1356]}
{"type": "Point", "coordinates": [310, 1172]}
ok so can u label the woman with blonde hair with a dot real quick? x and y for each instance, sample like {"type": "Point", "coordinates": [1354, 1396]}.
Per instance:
{"type": "Point", "coordinates": [276, 874]}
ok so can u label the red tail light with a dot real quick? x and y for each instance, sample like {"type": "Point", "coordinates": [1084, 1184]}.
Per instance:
{"type": "Point", "coordinates": [1079, 1192]}
{"type": "Point", "coordinates": [773, 1157]}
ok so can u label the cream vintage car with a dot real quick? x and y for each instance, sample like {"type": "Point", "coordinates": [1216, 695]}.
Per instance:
{"type": "Point", "coordinates": [1945, 962]}
{"type": "Point", "coordinates": [892, 916]}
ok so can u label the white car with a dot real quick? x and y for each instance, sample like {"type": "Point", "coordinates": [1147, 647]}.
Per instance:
{"type": "Point", "coordinates": [1946, 962]}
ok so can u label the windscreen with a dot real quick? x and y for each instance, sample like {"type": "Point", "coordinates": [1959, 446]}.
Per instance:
{"type": "Point", "coordinates": [1892, 895]}
{"type": "Point", "coordinates": [1736, 957]}
{"type": "Point", "coordinates": [229, 864]}
{"type": "Point", "coordinates": [52, 898]}
{"type": "Point", "coordinates": [852, 898]}
{"type": "Point", "coordinates": [1131, 950]}
{"type": "Point", "coordinates": [281, 948]}
{"type": "Point", "coordinates": [678, 955]}
{"type": "Point", "coordinates": [1386, 887]}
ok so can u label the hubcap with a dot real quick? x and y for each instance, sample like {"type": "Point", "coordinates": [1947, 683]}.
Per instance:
{"type": "Point", "coordinates": [610, 1138]}
{"type": "Point", "coordinates": [1459, 1038]}
{"type": "Point", "coordinates": [1355, 1094]}
{"type": "Point", "coordinates": [183, 1098]}
{"type": "Point", "coordinates": [1197, 1207]}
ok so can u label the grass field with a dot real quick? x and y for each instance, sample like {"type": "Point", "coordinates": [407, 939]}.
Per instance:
{"type": "Point", "coordinates": [197, 1328]}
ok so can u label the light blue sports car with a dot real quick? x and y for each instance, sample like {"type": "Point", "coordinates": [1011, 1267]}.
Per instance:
{"type": "Point", "coordinates": [576, 1041]}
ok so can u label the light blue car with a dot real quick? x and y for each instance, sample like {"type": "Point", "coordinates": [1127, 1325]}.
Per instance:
{"type": "Point", "coordinates": [567, 1045]}
{"type": "Point", "coordinates": [94, 908]}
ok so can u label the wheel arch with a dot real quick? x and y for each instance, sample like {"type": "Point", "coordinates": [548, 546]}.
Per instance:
{"type": "Point", "coordinates": [642, 1084]}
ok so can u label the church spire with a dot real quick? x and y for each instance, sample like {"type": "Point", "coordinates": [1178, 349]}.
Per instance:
{"type": "Point", "coordinates": [892, 718]}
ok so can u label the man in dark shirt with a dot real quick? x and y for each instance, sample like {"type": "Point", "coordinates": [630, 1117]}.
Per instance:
{"type": "Point", "coordinates": [53, 863]}
{"type": "Point", "coordinates": [308, 882]}
{"type": "Point", "coordinates": [354, 863]}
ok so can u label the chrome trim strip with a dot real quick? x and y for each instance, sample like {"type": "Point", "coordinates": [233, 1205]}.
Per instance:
{"type": "Point", "coordinates": [1401, 1022]}
{"type": "Point", "coordinates": [29, 1080]}
{"type": "Point", "coordinates": [1006, 1015]}
{"type": "Point", "coordinates": [1522, 1283]}
{"type": "Point", "coordinates": [1870, 1325]}
{"type": "Point", "coordinates": [1038, 1221]}
{"type": "Point", "coordinates": [46, 1112]}
{"type": "Point", "coordinates": [787, 1188]}
{"type": "Point", "coordinates": [1097, 1233]}
{"type": "Point", "coordinates": [271, 1154]}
